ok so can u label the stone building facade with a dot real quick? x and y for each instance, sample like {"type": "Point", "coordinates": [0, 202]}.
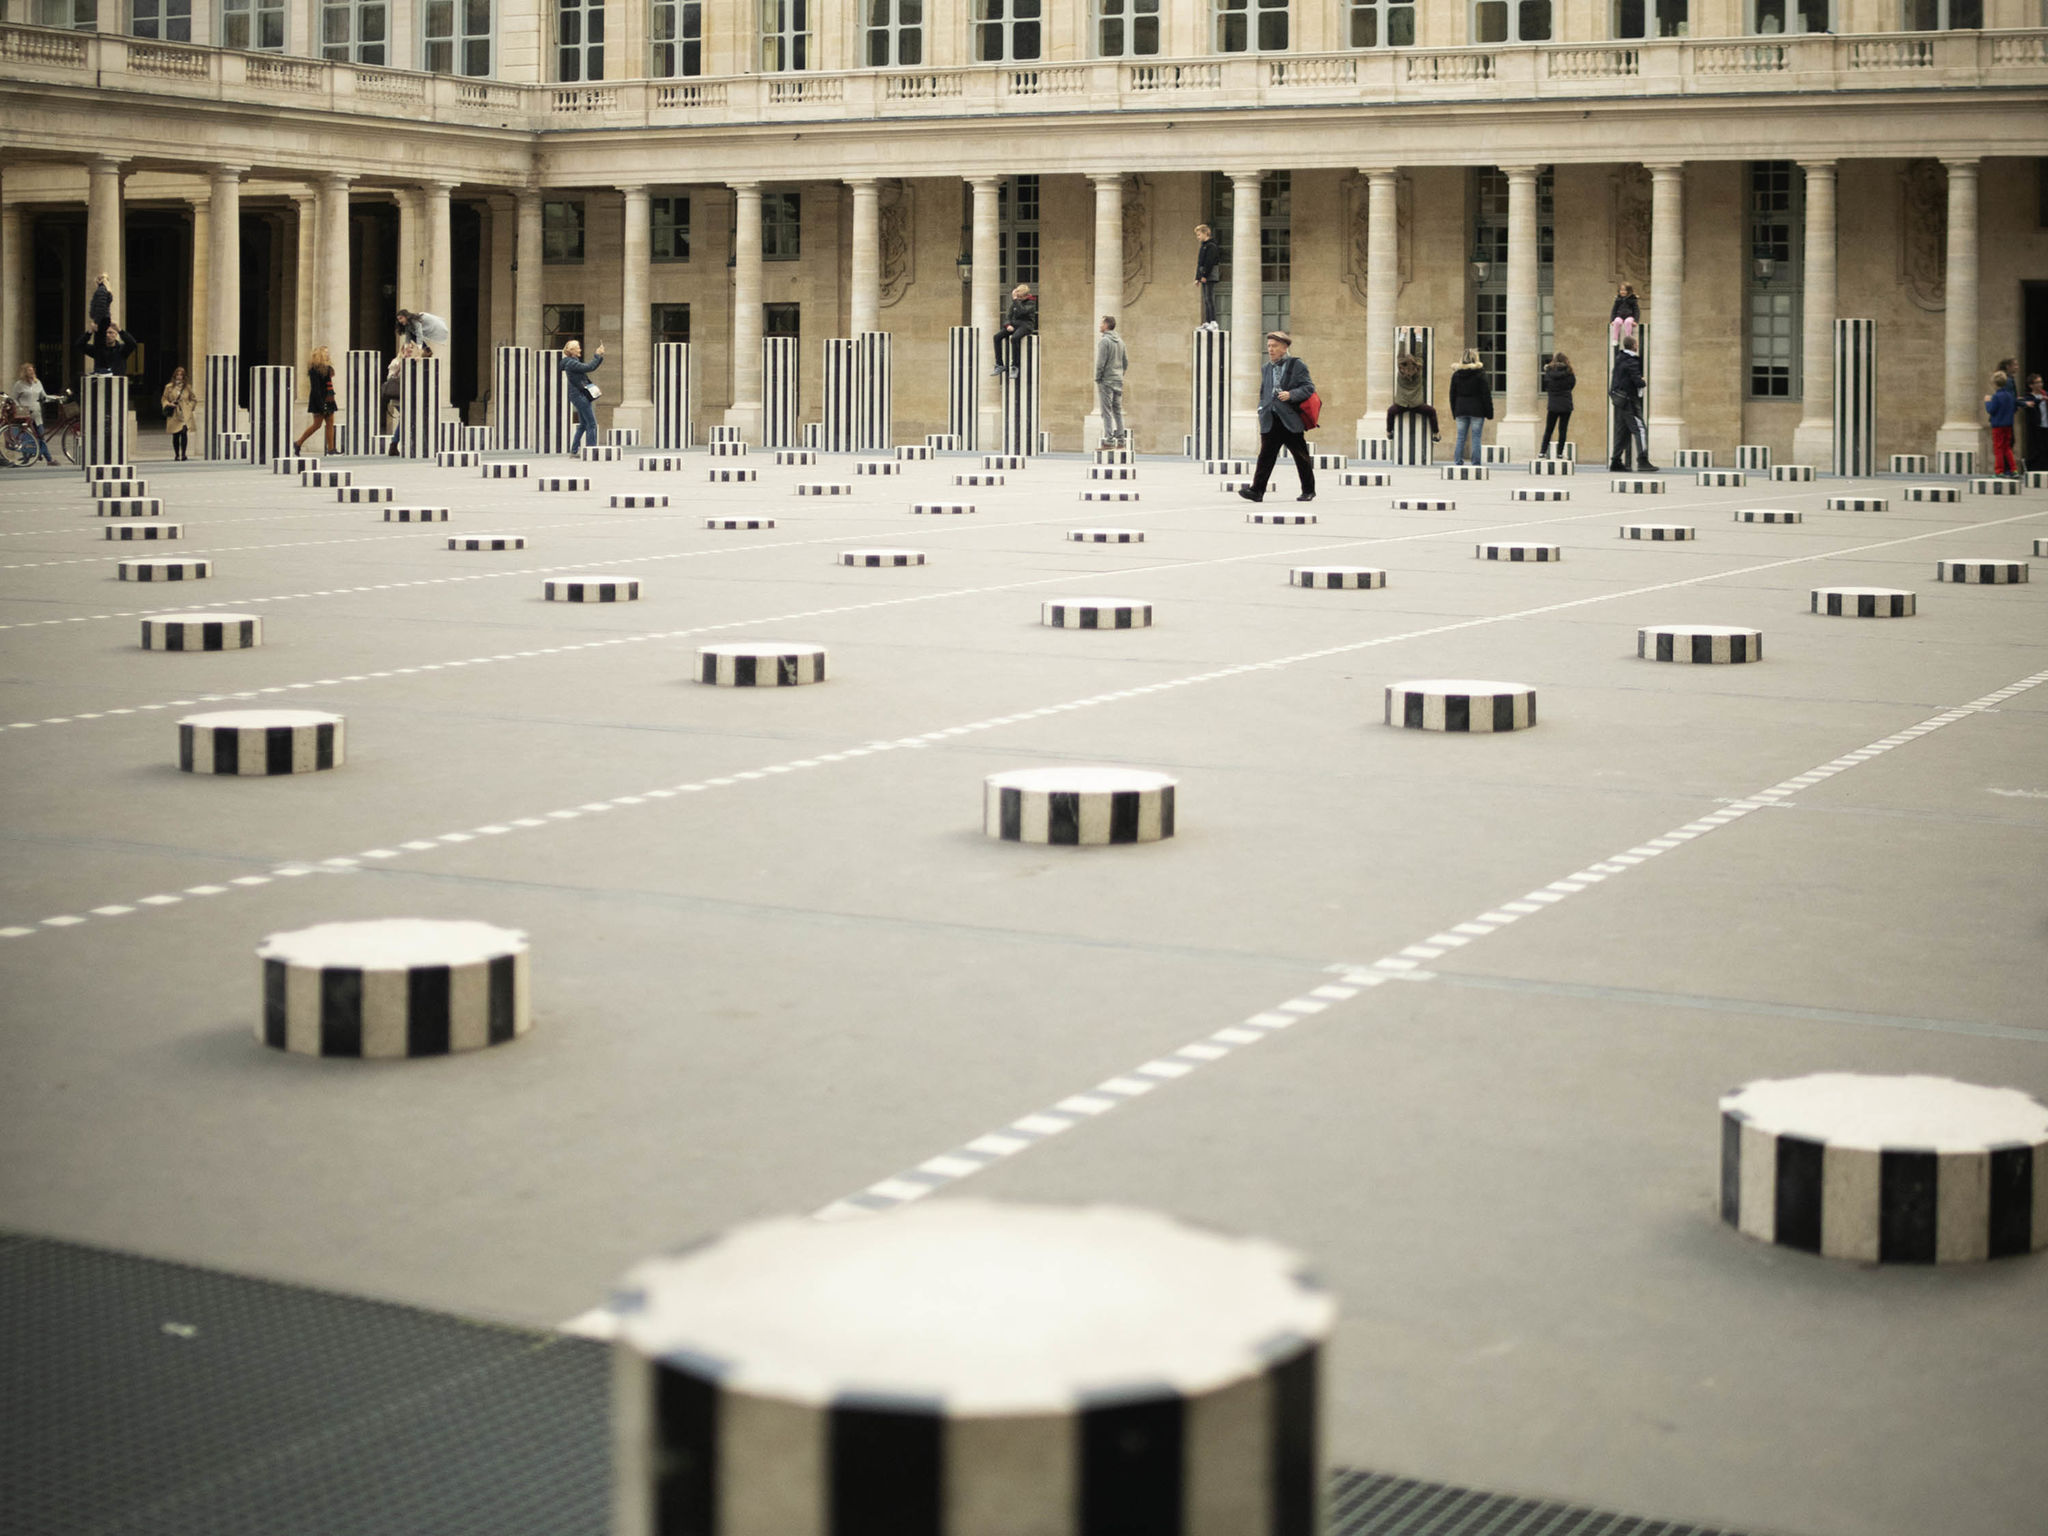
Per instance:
{"type": "Point", "coordinates": [265, 176]}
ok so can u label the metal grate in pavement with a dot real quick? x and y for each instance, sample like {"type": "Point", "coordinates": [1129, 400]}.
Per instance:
{"type": "Point", "coordinates": [1374, 1504]}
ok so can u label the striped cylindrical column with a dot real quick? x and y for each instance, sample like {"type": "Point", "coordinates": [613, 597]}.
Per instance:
{"type": "Point", "coordinates": [223, 402]}
{"type": "Point", "coordinates": [419, 406]}
{"type": "Point", "coordinates": [963, 385]}
{"type": "Point", "coordinates": [103, 420]}
{"type": "Point", "coordinates": [394, 987]}
{"type": "Point", "coordinates": [674, 396]}
{"type": "Point", "coordinates": [1209, 396]}
{"type": "Point", "coordinates": [191, 569]}
{"type": "Point", "coordinates": [1855, 397]}
{"type": "Point", "coordinates": [1756, 456]}
{"type": "Point", "coordinates": [1886, 1170]}
{"type": "Point", "coordinates": [1461, 704]}
{"type": "Point", "coordinates": [1863, 602]}
{"type": "Point", "coordinates": [875, 559]}
{"type": "Point", "coordinates": [270, 415]}
{"type": "Point", "coordinates": [202, 632]}
{"type": "Point", "coordinates": [362, 403]}
{"type": "Point", "coordinates": [553, 421]}
{"type": "Point", "coordinates": [781, 374]}
{"type": "Point", "coordinates": [760, 664]}
{"type": "Point", "coordinates": [1337, 577]}
{"type": "Point", "coordinates": [874, 393]}
{"type": "Point", "coordinates": [258, 743]}
{"type": "Point", "coordinates": [1987, 572]}
{"type": "Point", "coordinates": [1095, 613]}
{"type": "Point", "coordinates": [867, 1377]}
{"type": "Point", "coordinates": [1700, 644]}
{"type": "Point", "coordinates": [1079, 806]}
{"type": "Point", "coordinates": [1020, 401]}
{"type": "Point", "coordinates": [512, 399]}
{"type": "Point", "coordinates": [590, 589]}
{"type": "Point", "coordinates": [1411, 429]}
{"type": "Point", "coordinates": [842, 396]}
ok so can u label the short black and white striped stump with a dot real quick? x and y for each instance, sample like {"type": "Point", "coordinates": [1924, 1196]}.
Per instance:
{"type": "Point", "coordinates": [1769, 515]}
{"type": "Point", "coordinates": [458, 458]}
{"type": "Point", "coordinates": [1423, 504]}
{"type": "Point", "coordinates": [909, 451]}
{"type": "Point", "coordinates": [202, 632]}
{"type": "Point", "coordinates": [974, 1368]}
{"type": "Point", "coordinates": [1004, 461]}
{"type": "Point", "coordinates": [260, 743]}
{"type": "Point", "coordinates": [1353, 477]}
{"type": "Point", "coordinates": [874, 558]}
{"type": "Point", "coordinates": [561, 483]}
{"type": "Point", "coordinates": [1112, 472]}
{"type": "Point", "coordinates": [507, 471]}
{"type": "Point", "coordinates": [1095, 613]}
{"type": "Point", "coordinates": [1989, 573]}
{"type": "Point", "coordinates": [293, 466]}
{"type": "Point", "coordinates": [663, 461]}
{"type": "Point", "coordinates": [1795, 472]}
{"type": "Point", "coordinates": [1539, 493]}
{"type": "Point", "coordinates": [1658, 533]}
{"type": "Point", "coordinates": [110, 488]}
{"type": "Point", "coordinates": [356, 494]}
{"type": "Point", "coordinates": [236, 445]}
{"type": "Point", "coordinates": [943, 442]}
{"type": "Point", "coordinates": [1633, 485]}
{"type": "Point", "coordinates": [1700, 644]}
{"type": "Point", "coordinates": [1112, 496]}
{"type": "Point", "coordinates": [1955, 461]}
{"type": "Point", "coordinates": [1078, 806]}
{"type": "Point", "coordinates": [728, 524]}
{"type": "Point", "coordinates": [1460, 704]}
{"type": "Point", "coordinates": [488, 541]}
{"type": "Point", "coordinates": [1862, 602]}
{"type": "Point", "coordinates": [2041, 549]}
{"type": "Point", "coordinates": [601, 453]}
{"type": "Point", "coordinates": [145, 531]}
{"type": "Point", "coordinates": [1553, 467]}
{"type": "Point", "coordinates": [623, 437]}
{"type": "Point", "coordinates": [1755, 456]}
{"type": "Point", "coordinates": [101, 472]}
{"type": "Point", "coordinates": [824, 488]}
{"type": "Point", "coordinates": [725, 434]}
{"type": "Point", "coordinates": [728, 448]}
{"type": "Point", "coordinates": [1909, 463]}
{"type": "Point", "coordinates": [164, 570]}
{"type": "Point", "coordinates": [1932, 493]}
{"type": "Point", "coordinates": [394, 987]}
{"type": "Point", "coordinates": [1289, 518]}
{"type": "Point", "coordinates": [640, 499]}
{"type": "Point", "coordinates": [877, 467]}
{"type": "Point", "coordinates": [1337, 576]}
{"type": "Point", "coordinates": [941, 508]}
{"type": "Point", "coordinates": [1693, 458]}
{"type": "Point", "coordinates": [1465, 472]}
{"type": "Point", "coordinates": [2036, 479]}
{"type": "Point", "coordinates": [977, 479]}
{"type": "Point", "coordinates": [1988, 485]}
{"type": "Point", "coordinates": [328, 479]}
{"type": "Point", "coordinates": [733, 476]}
{"type": "Point", "coordinates": [129, 506]}
{"type": "Point", "coordinates": [795, 456]}
{"type": "Point", "coordinates": [1227, 466]}
{"type": "Point", "coordinates": [1106, 535]}
{"type": "Point", "coordinates": [1857, 503]}
{"type": "Point", "coordinates": [1519, 551]}
{"type": "Point", "coordinates": [591, 589]}
{"type": "Point", "coordinates": [760, 664]}
{"type": "Point", "coordinates": [415, 514]}
{"type": "Point", "coordinates": [1376, 450]}
{"type": "Point", "coordinates": [1115, 456]}
{"type": "Point", "coordinates": [1330, 461]}
{"type": "Point", "coordinates": [1886, 1170]}
{"type": "Point", "coordinates": [1722, 477]}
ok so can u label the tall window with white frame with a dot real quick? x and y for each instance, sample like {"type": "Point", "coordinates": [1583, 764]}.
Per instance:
{"type": "Point", "coordinates": [1017, 230]}
{"type": "Point", "coordinates": [1379, 23]}
{"type": "Point", "coordinates": [669, 228]}
{"type": "Point", "coordinates": [1941, 15]}
{"type": "Point", "coordinates": [168, 20]}
{"type": "Point", "coordinates": [355, 31]}
{"type": "Point", "coordinates": [1767, 18]}
{"type": "Point", "coordinates": [1126, 29]}
{"type": "Point", "coordinates": [579, 40]}
{"type": "Point", "coordinates": [1777, 219]}
{"type": "Point", "coordinates": [782, 226]}
{"type": "Point", "coordinates": [257, 25]}
{"type": "Point", "coordinates": [455, 36]}
{"type": "Point", "coordinates": [785, 36]}
{"type": "Point", "coordinates": [1276, 246]}
{"type": "Point", "coordinates": [1511, 21]}
{"type": "Point", "coordinates": [1009, 29]}
{"type": "Point", "coordinates": [1249, 26]}
{"type": "Point", "coordinates": [561, 234]}
{"type": "Point", "coordinates": [895, 32]}
{"type": "Point", "coordinates": [73, 15]}
{"type": "Point", "coordinates": [1490, 269]}
{"type": "Point", "coordinates": [675, 38]}
{"type": "Point", "coordinates": [1652, 18]}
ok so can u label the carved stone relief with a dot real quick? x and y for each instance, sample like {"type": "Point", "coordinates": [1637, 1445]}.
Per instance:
{"type": "Point", "coordinates": [1358, 232]}
{"type": "Point", "coordinates": [1632, 227]}
{"type": "Point", "coordinates": [899, 252]}
{"type": "Point", "coordinates": [1923, 233]}
{"type": "Point", "coordinates": [1137, 237]}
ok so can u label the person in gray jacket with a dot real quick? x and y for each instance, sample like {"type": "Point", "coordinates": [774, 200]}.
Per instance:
{"type": "Point", "coordinates": [1110, 362]}
{"type": "Point", "coordinates": [1283, 385]}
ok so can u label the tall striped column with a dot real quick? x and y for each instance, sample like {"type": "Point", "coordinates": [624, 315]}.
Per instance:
{"type": "Point", "coordinates": [419, 403]}
{"type": "Point", "coordinates": [674, 396]}
{"type": "Point", "coordinates": [780, 375]}
{"type": "Point", "coordinates": [104, 421]}
{"type": "Point", "coordinates": [552, 419]}
{"type": "Point", "coordinates": [362, 404]}
{"type": "Point", "coordinates": [963, 384]}
{"type": "Point", "coordinates": [837, 415]}
{"type": "Point", "coordinates": [1411, 430]}
{"type": "Point", "coordinates": [223, 401]}
{"type": "Point", "coordinates": [270, 415]}
{"type": "Point", "coordinates": [1020, 401]}
{"type": "Point", "coordinates": [1855, 397]}
{"type": "Point", "coordinates": [1209, 396]}
{"type": "Point", "coordinates": [1614, 441]}
{"type": "Point", "coordinates": [873, 430]}
{"type": "Point", "coordinates": [512, 400]}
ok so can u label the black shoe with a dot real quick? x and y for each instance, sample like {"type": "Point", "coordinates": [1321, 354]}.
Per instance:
{"type": "Point", "coordinates": [1616, 467]}
{"type": "Point", "coordinates": [1306, 496]}
{"type": "Point", "coordinates": [1649, 469]}
{"type": "Point", "coordinates": [1249, 494]}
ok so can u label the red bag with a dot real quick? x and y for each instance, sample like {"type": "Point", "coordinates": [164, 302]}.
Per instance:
{"type": "Point", "coordinates": [1311, 412]}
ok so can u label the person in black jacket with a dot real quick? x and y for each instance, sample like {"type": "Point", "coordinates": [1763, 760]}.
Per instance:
{"type": "Point", "coordinates": [320, 406]}
{"type": "Point", "coordinates": [1021, 321]}
{"type": "Point", "coordinates": [1283, 385]}
{"type": "Point", "coordinates": [1558, 383]}
{"type": "Point", "coordinates": [1625, 394]}
{"type": "Point", "coordinates": [1205, 274]}
{"type": "Point", "coordinates": [1626, 314]}
{"type": "Point", "coordinates": [107, 348]}
{"type": "Point", "coordinates": [1471, 404]}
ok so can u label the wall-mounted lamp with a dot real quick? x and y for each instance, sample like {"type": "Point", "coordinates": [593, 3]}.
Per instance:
{"type": "Point", "coordinates": [964, 265]}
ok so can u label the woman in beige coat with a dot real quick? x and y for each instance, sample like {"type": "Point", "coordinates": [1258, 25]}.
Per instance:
{"type": "Point", "coordinates": [181, 409]}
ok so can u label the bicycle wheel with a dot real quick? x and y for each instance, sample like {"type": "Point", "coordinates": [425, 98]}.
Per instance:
{"type": "Point", "coordinates": [17, 446]}
{"type": "Point", "coordinates": [71, 440]}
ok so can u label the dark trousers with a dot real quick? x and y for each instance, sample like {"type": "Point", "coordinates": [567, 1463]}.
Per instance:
{"type": "Point", "coordinates": [1427, 412]}
{"type": "Point", "coordinates": [1009, 348]}
{"type": "Point", "coordinates": [1561, 421]}
{"type": "Point", "coordinates": [1208, 301]}
{"type": "Point", "coordinates": [1270, 444]}
{"type": "Point", "coordinates": [1631, 439]}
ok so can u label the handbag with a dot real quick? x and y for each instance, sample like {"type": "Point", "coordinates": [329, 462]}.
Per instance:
{"type": "Point", "coordinates": [1311, 411]}
{"type": "Point", "coordinates": [594, 390]}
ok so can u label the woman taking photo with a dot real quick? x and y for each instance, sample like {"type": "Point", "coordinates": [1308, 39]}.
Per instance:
{"type": "Point", "coordinates": [319, 397]}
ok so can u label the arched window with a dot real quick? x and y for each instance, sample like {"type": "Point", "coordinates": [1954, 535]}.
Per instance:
{"type": "Point", "coordinates": [1250, 26]}
{"type": "Point", "coordinates": [1510, 21]}
{"type": "Point", "coordinates": [895, 32]}
{"type": "Point", "coordinates": [1941, 15]}
{"type": "Point", "coordinates": [1379, 23]}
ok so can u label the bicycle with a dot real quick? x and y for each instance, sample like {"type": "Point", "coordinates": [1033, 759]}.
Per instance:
{"type": "Point", "coordinates": [18, 439]}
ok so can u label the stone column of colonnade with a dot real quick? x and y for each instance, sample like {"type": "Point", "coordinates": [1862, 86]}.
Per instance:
{"type": "Point", "coordinates": [224, 278]}
{"type": "Point", "coordinates": [526, 277]}
{"type": "Point", "coordinates": [102, 238]}
{"type": "Point", "coordinates": [1109, 284]}
{"type": "Point", "coordinates": [334, 300]}
{"type": "Point", "coordinates": [745, 410]}
{"type": "Point", "coordinates": [866, 281]}
{"type": "Point", "coordinates": [1247, 342]}
{"type": "Point", "coordinates": [984, 303]}
{"type": "Point", "coordinates": [1965, 382]}
{"type": "Point", "coordinates": [1519, 422]}
{"type": "Point", "coordinates": [1382, 296]}
{"type": "Point", "coordinates": [12, 331]}
{"type": "Point", "coordinates": [1813, 440]}
{"type": "Point", "coordinates": [305, 277]}
{"type": "Point", "coordinates": [440, 295]}
{"type": "Point", "coordinates": [196, 345]}
{"type": "Point", "coordinates": [1665, 366]}
{"type": "Point", "coordinates": [635, 353]}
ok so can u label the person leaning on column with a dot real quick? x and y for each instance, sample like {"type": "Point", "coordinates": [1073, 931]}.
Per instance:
{"type": "Point", "coordinates": [582, 393]}
{"type": "Point", "coordinates": [1110, 362]}
{"type": "Point", "coordinates": [1205, 274]}
{"type": "Point", "coordinates": [1283, 385]}
{"type": "Point", "coordinates": [429, 331]}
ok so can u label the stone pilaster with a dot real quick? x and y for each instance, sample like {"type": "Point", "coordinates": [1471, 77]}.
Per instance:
{"type": "Point", "coordinates": [867, 254]}
{"type": "Point", "coordinates": [636, 402]}
{"type": "Point", "coordinates": [1665, 366]}
{"type": "Point", "coordinates": [1519, 422]}
{"type": "Point", "coordinates": [1109, 284]}
{"type": "Point", "coordinates": [985, 302]}
{"type": "Point", "coordinates": [1813, 440]}
{"type": "Point", "coordinates": [1965, 383]}
{"type": "Point", "coordinates": [1247, 341]}
{"type": "Point", "coordinates": [745, 410]}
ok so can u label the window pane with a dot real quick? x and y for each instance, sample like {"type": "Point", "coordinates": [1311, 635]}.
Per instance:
{"type": "Point", "coordinates": [1490, 20]}
{"type": "Point", "coordinates": [1535, 21]}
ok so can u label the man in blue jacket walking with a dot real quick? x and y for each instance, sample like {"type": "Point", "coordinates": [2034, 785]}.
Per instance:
{"type": "Point", "coordinates": [1283, 385]}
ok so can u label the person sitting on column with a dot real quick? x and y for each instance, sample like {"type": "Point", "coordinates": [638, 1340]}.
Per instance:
{"type": "Point", "coordinates": [1410, 394]}
{"type": "Point", "coordinates": [582, 393]}
{"type": "Point", "coordinates": [1284, 386]}
{"type": "Point", "coordinates": [424, 330]}
{"type": "Point", "coordinates": [29, 397]}
{"type": "Point", "coordinates": [320, 404]}
{"type": "Point", "coordinates": [107, 348]}
{"type": "Point", "coordinates": [1471, 406]}
{"type": "Point", "coordinates": [181, 408]}
{"type": "Point", "coordinates": [1110, 362]}
{"type": "Point", "coordinates": [1205, 274]}
{"type": "Point", "coordinates": [1626, 314]}
{"type": "Point", "coordinates": [1625, 394]}
{"type": "Point", "coordinates": [1558, 383]}
{"type": "Point", "coordinates": [1021, 321]}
